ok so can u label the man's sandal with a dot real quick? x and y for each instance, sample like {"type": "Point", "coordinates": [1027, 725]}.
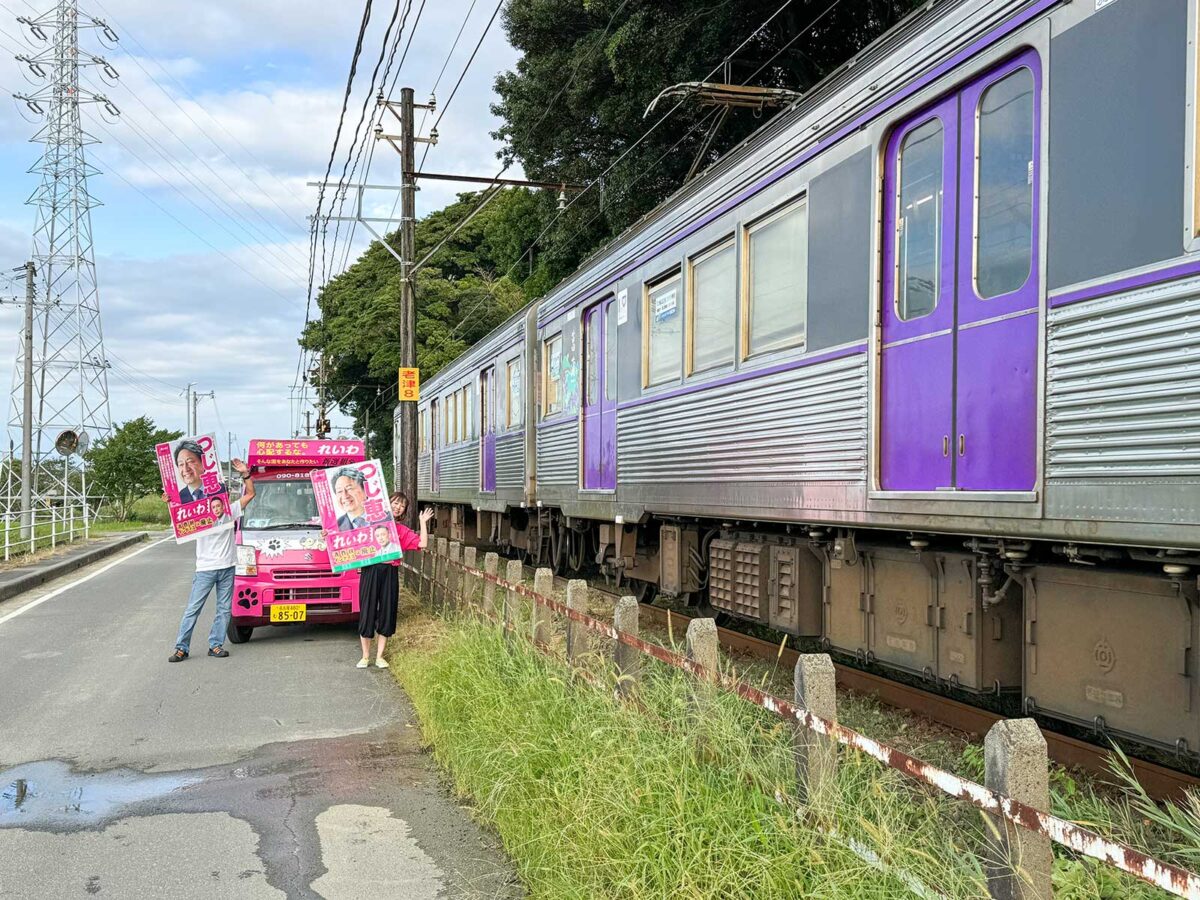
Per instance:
{"type": "Point", "coordinates": [178, 656]}
{"type": "Point", "coordinates": [218, 651]}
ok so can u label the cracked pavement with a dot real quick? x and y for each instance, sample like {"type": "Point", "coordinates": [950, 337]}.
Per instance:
{"type": "Point", "coordinates": [281, 771]}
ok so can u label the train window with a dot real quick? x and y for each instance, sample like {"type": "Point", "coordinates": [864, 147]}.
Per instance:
{"type": "Point", "coordinates": [1004, 186]}
{"type": "Point", "coordinates": [552, 375]}
{"type": "Point", "coordinates": [592, 338]}
{"type": "Point", "coordinates": [663, 350]}
{"type": "Point", "coordinates": [919, 222]}
{"type": "Point", "coordinates": [421, 433]}
{"type": "Point", "coordinates": [464, 421]}
{"type": "Point", "coordinates": [776, 281]}
{"type": "Point", "coordinates": [512, 380]}
{"type": "Point", "coordinates": [451, 419]}
{"type": "Point", "coordinates": [712, 316]}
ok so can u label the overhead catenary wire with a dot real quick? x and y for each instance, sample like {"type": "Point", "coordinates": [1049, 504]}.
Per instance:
{"type": "Point", "coordinates": [463, 74]}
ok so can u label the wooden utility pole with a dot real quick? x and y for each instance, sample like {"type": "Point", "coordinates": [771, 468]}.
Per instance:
{"type": "Point", "coordinates": [408, 306]}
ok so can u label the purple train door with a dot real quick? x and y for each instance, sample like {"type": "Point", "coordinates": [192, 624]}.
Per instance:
{"type": "Point", "coordinates": [435, 442]}
{"type": "Point", "coordinates": [487, 430]}
{"type": "Point", "coordinates": [917, 413]}
{"type": "Point", "coordinates": [960, 290]}
{"type": "Point", "coordinates": [997, 331]}
{"type": "Point", "coordinates": [599, 409]}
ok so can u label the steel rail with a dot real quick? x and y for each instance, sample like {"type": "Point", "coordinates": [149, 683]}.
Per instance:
{"type": "Point", "coordinates": [1171, 878]}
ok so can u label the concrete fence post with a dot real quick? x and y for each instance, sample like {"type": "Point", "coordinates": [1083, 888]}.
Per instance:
{"type": "Point", "coordinates": [425, 577]}
{"type": "Point", "coordinates": [1016, 764]}
{"type": "Point", "coordinates": [491, 566]}
{"type": "Point", "coordinates": [703, 647]}
{"type": "Point", "coordinates": [439, 573]}
{"type": "Point", "coordinates": [539, 616]}
{"type": "Point", "coordinates": [470, 582]}
{"type": "Point", "coordinates": [454, 574]}
{"type": "Point", "coordinates": [628, 659]}
{"type": "Point", "coordinates": [815, 690]}
{"type": "Point", "coordinates": [513, 574]}
{"type": "Point", "coordinates": [577, 635]}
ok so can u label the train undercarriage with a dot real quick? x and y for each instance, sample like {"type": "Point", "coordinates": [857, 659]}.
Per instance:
{"type": "Point", "coordinates": [1098, 640]}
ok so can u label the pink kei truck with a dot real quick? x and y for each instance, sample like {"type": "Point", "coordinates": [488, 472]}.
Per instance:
{"type": "Point", "coordinates": [283, 573]}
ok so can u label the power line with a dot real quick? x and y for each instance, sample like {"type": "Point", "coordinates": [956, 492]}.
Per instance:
{"type": "Point", "coordinates": [283, 267]}
{"type": "Point", "coordinates": [463, 74]}
{"type": "Point", "coordinates": [200, 237]}
{"type": "Point", "coordinates": [202, 108]}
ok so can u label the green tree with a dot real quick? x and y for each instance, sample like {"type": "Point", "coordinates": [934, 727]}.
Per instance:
{"type": "Point", "coordinates": [589, 68]}
{"type": "Point", "coordinates": [123, 467]}
{"type": "Point", "coordinates": [468, 287]}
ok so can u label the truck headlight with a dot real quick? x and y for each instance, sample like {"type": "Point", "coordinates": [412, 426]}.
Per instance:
{"type": "Point", "coordinates": [247, 560]}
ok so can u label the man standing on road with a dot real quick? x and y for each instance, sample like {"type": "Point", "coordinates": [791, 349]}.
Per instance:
{"type": "Point", "coordinates": [216, 556]}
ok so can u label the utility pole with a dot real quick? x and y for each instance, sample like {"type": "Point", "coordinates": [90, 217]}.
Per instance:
{"type": "Point", "coordinates": [27, 408]}
{"type": "Point", "coordinates": [408, 305]}
{"type": "Point", "coordinates": [307, 422]}
{"type": "Point", "coordinates": [196, 396]}
{"type": "Point", "coordinates": [187, 408]}
{"type": "Point", "coordinates": [322, 404]}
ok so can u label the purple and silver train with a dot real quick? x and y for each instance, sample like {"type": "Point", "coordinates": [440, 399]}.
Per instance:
{"type": "Point", "coordinates": [915, 371]}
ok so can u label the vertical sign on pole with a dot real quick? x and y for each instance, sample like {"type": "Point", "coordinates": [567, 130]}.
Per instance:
{"type": "Point", "coordinates": [409, 384]}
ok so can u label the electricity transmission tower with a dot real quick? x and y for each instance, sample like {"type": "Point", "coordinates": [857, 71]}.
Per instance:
{"type": "Point", "coordinates": [69, 367]}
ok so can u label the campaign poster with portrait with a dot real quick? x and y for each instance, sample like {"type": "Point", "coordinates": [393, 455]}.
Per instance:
{"type": "Point", "coordinates": [356, 515]}
{"type": "Point", "coordinates": [197, 497]}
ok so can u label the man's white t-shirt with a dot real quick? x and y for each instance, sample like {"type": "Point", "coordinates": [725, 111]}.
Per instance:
{"type": "Point", "coordinates": [217, 550]}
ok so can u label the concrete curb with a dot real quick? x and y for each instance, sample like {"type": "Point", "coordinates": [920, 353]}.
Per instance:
{"type": "Point", "coordinates": [54, 570]}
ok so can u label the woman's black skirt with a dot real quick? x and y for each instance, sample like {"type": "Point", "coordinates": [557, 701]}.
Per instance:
{"type": "Point", "coordinates": [378, 595]}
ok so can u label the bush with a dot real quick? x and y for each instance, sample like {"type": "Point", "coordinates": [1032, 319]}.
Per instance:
{"type": "Point", "coordinates": [150, 509]}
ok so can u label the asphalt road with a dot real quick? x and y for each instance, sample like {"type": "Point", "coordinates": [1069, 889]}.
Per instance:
{"type": "Point", "coordinates": [281, 771]}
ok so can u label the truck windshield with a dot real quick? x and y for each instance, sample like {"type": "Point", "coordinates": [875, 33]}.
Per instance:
{"type": "Point", "coordinates": [283, 504]}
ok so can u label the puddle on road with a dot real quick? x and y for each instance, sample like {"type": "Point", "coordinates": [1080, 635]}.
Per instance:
{"type": "Point", "coordinates": [50, 794]}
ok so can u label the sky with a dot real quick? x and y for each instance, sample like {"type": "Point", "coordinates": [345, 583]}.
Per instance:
{"type": "Point", "coordinates": [227, 109]}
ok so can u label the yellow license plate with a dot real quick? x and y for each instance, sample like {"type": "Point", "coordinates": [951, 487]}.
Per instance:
{"type": "Point", "coordinates": [288, 612]}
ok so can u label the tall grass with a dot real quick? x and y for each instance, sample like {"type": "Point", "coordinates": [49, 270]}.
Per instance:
{"type": "Point", "coordinates": [692, 792]}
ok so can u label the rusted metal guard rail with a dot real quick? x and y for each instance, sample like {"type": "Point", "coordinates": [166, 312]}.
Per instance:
{"type": "Point", "coordinates": [1171, 878]}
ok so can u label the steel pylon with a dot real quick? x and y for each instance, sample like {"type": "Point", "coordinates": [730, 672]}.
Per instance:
{"type": "Point", "coordinates": [70, 370]}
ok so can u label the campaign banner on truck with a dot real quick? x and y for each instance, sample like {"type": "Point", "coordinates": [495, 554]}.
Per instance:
{"type": "Point", "coordinates": [197, 498]}
{"type": "Point", "coordinates": [356, 515]}
{"type": "Point", "coordinates": [303, 453]}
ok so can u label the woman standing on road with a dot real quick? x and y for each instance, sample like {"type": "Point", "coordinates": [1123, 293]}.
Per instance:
{"type": "Point", "coordinates": [379, 587]}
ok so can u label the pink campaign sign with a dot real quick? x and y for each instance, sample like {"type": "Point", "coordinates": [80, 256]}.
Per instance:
{"type": "Point", "coordinates": [197, 498]}
{"type": "Point", "coordinates": [356, 515]}
{"type": "Point", "coordinates": [303, 453]}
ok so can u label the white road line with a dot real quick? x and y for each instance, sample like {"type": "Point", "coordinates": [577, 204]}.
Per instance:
{"type": "Point", "coordinates": [78, 581]}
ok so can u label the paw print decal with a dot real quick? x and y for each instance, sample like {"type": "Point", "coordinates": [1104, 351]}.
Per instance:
{"type": "Point", "coordinates": [247, 598]}
{"type": "Point", "coordinates": [273, 547]}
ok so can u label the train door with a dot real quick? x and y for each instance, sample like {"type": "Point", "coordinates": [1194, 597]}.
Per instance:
{"type": "Point", "coordinates": [599, 408]}
{"type": "Point", "coordinates": [435, 442]}
{"type": "Point", "coordinates": [487, 430]}
{"type": "Point", "coordinates": [960, 309]}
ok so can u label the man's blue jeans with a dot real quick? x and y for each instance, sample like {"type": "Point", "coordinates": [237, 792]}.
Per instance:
{"type": "Point", "coordinates": [202, 585]}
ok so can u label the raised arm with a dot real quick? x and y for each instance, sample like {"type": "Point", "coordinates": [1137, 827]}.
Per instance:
{"type": "Point", "coordinates": [247, 482]}
{"type": "Point", "coordinates": [423, 521]}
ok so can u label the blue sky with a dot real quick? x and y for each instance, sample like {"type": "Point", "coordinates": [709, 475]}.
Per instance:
{"type": "Point", "coordinates": [227, 108]}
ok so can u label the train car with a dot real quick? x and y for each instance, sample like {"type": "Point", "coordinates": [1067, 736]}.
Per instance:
{"type": "Point", "coordinates": [915, 370]}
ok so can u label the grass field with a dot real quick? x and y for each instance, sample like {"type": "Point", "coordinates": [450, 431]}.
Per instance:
{"type": "Point", "coordinates": [593, 798]}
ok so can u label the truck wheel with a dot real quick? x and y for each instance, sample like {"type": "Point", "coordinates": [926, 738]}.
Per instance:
{"type": "Point", "coordinates": [239, 634]}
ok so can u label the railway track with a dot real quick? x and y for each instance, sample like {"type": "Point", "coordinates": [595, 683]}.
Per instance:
{"type": "Point", "coordinates": [1159, 781]}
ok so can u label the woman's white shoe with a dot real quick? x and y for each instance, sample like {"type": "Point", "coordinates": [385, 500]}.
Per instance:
{"type": "Point", "coordinates": [381, 663]}
{"type": "Point", "coordinates": [363, 663]}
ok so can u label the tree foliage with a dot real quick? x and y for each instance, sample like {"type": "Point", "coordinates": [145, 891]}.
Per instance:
{"type": "Point", "coordinates": [572, 108]}
{"type": "Point", "coordinates": [468, 287]}
{"type": "Point", "coordinates": [588, 70]}
{"type": "Point", "coordinates": [122, 467]}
